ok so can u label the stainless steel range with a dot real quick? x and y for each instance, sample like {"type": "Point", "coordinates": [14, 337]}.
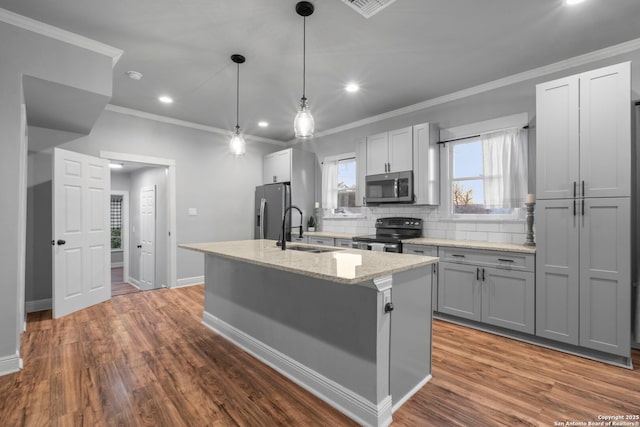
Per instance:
{"type": "Point", "coordinates": [389, 234]}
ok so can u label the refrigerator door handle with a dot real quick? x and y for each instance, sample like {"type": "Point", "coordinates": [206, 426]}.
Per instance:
{"type": "Point", "coordinates": [263, 203]}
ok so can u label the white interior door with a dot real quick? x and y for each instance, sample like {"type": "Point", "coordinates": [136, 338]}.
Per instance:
{"type": "Point", "coordinates": [81, 232]}
{"type": "Point", "coordinates": [147, 237]}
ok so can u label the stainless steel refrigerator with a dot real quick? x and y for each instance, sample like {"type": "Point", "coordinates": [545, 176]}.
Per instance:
{"type": "Point", "coordinates": [271, 200]}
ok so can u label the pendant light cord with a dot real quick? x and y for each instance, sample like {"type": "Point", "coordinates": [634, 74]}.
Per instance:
{"type": "Point", "coordinates": [304, 55]}
{"type": "Point", "coordinates": [238, 98]}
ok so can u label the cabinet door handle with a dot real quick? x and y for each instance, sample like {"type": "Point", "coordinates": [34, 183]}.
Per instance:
{"type": "Point", "coordinates": [582, 207]}
{"type": "Point", "coordinates": [575, 186]}
{"type": "Point", "coordinates": [418, 251]}
{"type": "Point", "coordinates": [457, 256]}
{"type": "Point", "coordinates": [574, 207]}
{"type": "Point", "coordinates": [483, 274]}
{"type": "Point", "coordinates": [505, 260]}
{"type": "Point", "coordinates": [583, 195]}
{"type": "Point", "coordinates": [477, 274]}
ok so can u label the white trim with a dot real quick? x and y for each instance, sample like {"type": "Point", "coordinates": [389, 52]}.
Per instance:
{"type": "Point", "coordinates": [60, 34]}
{"type": "Point", "coordinates": [339, 157]}
{"type": "Point", "coordinates": [135, 283]}
{"type": "Point", "coordinates": [127, 157]}
{"type": "Point", "coordinates": [23, 168]}
{"type": "Point", "coordinates": [10, 364]}
{"type": "Point", "coordinates": [383, 283]}
{"type": "Point", "coordinates": [39, 305]}
{"type": "Point", "coordinates": [409, 395]}
{"type": "Point", "coordinates": [556, 67]}
{"type": "Point", "coordinates": [184, 123]}
{"type": "Point", "coordinates": [189, 281]}
{"type": "Point", "coordinates": [346, 401]}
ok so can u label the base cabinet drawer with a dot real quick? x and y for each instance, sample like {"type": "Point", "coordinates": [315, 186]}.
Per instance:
{"type": "Point", "coordinates": [343, 243]}
{"type": "Point", "coordinates": [419, 250]}
{"type": "Point", "coordinates": [314, 240]}
{"type": "Point", "coordinates": [297, 239]}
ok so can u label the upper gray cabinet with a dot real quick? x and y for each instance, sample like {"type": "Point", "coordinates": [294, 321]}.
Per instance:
{"type": "Point", "coordinates": [584, 134]}
{"type": "Point", "coordinates": [390, 151]}
{"type": "Point", "coordinates": [414, 148]}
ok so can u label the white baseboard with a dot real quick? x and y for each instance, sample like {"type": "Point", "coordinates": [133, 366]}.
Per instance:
{"type": "Point", "coordinates": [189, 281]}
{"type": "Point", "coordinates": [411, 392]}
{"type": "Point", "coordinates": [10, 364]}
{"type": "Point", "coordinates": [134, 282]}
{"type": "Point", "coordinates": [346, 401]}
{"type": "Point", "coordinates": [39, 305]}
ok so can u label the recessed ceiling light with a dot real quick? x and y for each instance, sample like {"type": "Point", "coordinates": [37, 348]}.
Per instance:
{"type": "Point", "coordinates": [116, 165]}
{"type": "Point", "coordinates": [263, 124]}
{"type": "Point", "coordinates": [572, 2]}
{"type": "Point", "coordinates": [352, 87]}
{"type": "Point", "coordinates": [165, 99]}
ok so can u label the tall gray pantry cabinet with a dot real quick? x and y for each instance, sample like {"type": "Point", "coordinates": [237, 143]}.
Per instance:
{"type": "Point", "coordinates": [583, 212]}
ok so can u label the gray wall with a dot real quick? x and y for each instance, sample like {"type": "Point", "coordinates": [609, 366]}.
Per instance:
{"type": "Point", "coordinates": [26, 53]}
{"type": "Point", "coordinates": [220, 186]}
{"type": "Point", "coordinates": [120, 181]}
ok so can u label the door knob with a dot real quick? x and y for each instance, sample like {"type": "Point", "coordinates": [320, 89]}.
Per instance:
{"type": "Point", "coordinates": [61, 242]}
{"type": "Point", "coordinates": [139, 246]}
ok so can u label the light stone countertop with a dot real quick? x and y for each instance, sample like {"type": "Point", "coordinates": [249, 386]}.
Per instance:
{"type": "Point", "coordinates": [347, 266]}
{"type": "Point", "coordinates": [334, 234]}
{"type": "Point", "coordinates": [471, 244]}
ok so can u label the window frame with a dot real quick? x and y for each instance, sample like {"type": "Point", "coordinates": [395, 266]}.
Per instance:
{"type": "Point", "coordinates": [447, 209]}
{"type": "Point", "coordinates": [345, 212]}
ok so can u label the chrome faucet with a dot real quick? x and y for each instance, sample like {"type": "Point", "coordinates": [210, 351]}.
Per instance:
{"type": "Point", "coordinates": [283, 243]}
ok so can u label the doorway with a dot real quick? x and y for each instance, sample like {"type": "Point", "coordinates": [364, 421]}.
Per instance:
{"type": "Point", "coordinates": [119, 218]}
{"type": "Point", "coordinates": [135, 175]}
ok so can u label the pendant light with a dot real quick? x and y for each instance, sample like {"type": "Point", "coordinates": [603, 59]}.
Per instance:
{"type": "Point", "coordinates": [237, 144]}
{"type": "Point", "coordinates": [303, 124]}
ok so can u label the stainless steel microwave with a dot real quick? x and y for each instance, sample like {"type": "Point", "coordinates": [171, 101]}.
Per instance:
{"type": "Point", "coordinates": [394, 187]}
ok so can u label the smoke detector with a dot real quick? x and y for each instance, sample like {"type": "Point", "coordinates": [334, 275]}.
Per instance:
{"type": "Point", "coordinates": [368, 8]}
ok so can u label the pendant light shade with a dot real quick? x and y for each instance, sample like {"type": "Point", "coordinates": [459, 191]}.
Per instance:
{"type": "Point", "coordinates": [237, 144]}
{"type": "Point", "coordinates": [303, 124]}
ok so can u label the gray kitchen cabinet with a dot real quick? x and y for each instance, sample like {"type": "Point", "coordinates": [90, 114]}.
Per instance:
{"type": "Point", "coordinates": [583, 180]}
{"type": "Point", "coordinates": [496, 288]}
{"type": "Point", "coordinates": [296, 238]}
{"type": "Point", "coordinates": [557, 270]}
{"type": "Point", "coordinates": [605, 275]}
{"type": "Point", "coordinates": [459, 290]}
{"type": "Point", "coordinates": [584, 135]}
{"type": "Point", "coordinates": [316, 240]}
{"type": "Point", "coordinates": [343, 243]}
{"type": "Point", "coordinates": [390, 151]}
{"type": "Point", "coordinates": [426, 164]}
{"type": "Point", "coordinates": [508, 299]}
{"type": "Point", "coordinates": [424, 250]}
{"type": "Point", "coordinates": [584, 273]}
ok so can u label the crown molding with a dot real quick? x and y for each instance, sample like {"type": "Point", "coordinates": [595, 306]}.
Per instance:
{"type": "Point", "coordinates": [59, 34]}
{"type": "Point", "coordinates": [184, 123]}
{"type": "Point", "coordinates": [566, 64]}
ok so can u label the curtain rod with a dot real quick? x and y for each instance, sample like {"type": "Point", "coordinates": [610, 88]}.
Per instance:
{"type": "Point", "coordinates": [473, 136]}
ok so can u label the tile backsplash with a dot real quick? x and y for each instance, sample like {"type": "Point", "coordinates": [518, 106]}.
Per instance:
{"type": "Point", "coordinates": [433, 224]}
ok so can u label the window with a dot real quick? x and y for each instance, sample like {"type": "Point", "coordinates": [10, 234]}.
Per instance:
{"type": "Point", "coordinates": [347, 183]}
{"type": "Point", "coordinates": [339, 182]}
{"type": "Point", "coordinates": [116, 222]}
{"type": "Point", "coordinates": [488, 174]}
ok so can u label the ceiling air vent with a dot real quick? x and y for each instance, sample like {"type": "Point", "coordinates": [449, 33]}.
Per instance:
{"type": "Point", "coordinates": [368, 8]}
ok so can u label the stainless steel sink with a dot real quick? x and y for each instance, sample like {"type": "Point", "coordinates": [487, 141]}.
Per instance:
{"type": "Point", "coordinates": [311, 249]}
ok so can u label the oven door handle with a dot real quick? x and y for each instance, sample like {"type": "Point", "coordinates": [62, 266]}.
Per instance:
{"type": "Point", "coordinates": [396, 188]}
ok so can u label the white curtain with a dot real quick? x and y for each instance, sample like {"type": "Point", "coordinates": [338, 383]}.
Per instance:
{"type": "Point", "coordinates": [330, 185]}
{"type": "Point", "coordinates": [504, 158]}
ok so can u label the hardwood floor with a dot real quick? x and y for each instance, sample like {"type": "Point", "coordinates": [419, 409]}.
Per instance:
{"type": "Point", "coordinates": [145, 359]}
{"type": "Point", "coordinates": [118, 285]}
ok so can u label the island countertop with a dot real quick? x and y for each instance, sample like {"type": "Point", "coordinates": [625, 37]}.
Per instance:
{"type": "Point", "coordinates": [347, 266]}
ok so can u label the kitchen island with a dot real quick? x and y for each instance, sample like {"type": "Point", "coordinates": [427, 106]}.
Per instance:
{"type": "Point", "coordinates": [353, 327]}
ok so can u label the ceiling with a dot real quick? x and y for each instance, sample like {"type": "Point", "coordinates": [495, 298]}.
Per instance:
{"type": "Point", "coordinates": [411, 51]}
